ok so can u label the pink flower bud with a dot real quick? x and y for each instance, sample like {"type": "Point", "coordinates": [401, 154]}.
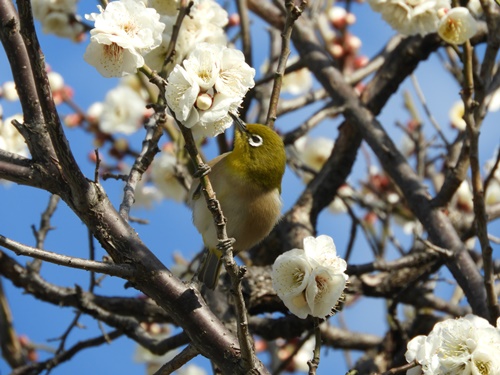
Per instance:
{"type": "Point", "coordinates": [234, 20]}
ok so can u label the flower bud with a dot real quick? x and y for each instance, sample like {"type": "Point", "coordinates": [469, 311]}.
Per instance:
{"type": "Point", "coordinates": [204, 101]}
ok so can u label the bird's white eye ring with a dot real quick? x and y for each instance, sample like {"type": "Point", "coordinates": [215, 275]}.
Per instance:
{"type": "Point", "coordinates": [255, 140]}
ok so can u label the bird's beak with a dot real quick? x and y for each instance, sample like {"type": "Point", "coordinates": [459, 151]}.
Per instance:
{"type": "Point", "coordinates": [240, 125]}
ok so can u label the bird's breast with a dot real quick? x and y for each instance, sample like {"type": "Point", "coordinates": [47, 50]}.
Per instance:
{"type": "Point", "coordinates": [251, 212]}
{"type": "Point", "coordinates": [250, 217]}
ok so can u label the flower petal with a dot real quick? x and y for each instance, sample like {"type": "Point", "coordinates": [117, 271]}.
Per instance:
{"type": "Point", "coordinates": [323, 291]}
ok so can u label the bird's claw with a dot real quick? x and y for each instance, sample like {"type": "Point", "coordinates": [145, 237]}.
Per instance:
{"type": "Point", "coordinates": [202, 170]}
{"type": "Point", "coordinates": [224, 245]}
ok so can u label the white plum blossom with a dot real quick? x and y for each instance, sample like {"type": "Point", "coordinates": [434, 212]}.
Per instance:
{"type": "Point", "coordinates": [456, 116]}
{"type": "Point", "coordinates": [56, 81]}
{"type": "Point", "coordinates": [42, 8]}
{"type": "Point", "coordinates": [310, 281]}
{"type": "Point", "coordinates": [291, 275]}
{"type": "Point", "coordinates": [465, 346]}
{"type": "Point", "coordinates": [10, 139]}
{"type": "Point", "coordinates": [8, 91]}
{"type": "Point", "coordinates": [492, 195]}
{"type": "Point", "coordinates": [63, 25]}
{"type": "Point", "coordinates": [313, 153]}
{"type": "Point", "coordinates": [463, 197]}
{"type": "Point", "coordinates": [147, 90]}
{"type": "Point", "coordinates": [494, 101]}
{"type": "Point", "coordinates": [122, 111]}
{"type": "Point", "coordinates": [324, 290]}
{"type": "Point", "coordinates": [164, 177]}
{"type": "Point", "coordinates": [303, 356]}
{"type": "Point", "coordinates": [205, 23]}
{"type": "Point", "coordinates": [338, 205]}
{"type": "Point", "coordinates": [457, 26]}
{"type": "Point", "coordinates": [490, 164]}
{"type": "Point", "coordinates": [146, 195]}
{"type": "Point", "coordinates": [191, 370]}
{"type": "Point", "coordinates": [298, 82]}
{"type": "Point", "coordinates": [411, 17]}
{"type": "Point", "coordinates": [235, 76]}
{"type": "Point", "coordinates": [58, 17]}
{"type": "Point", "coordinates": [95, 111]}
{"type": "Point", "coordinates": [123, 33]}
{"type": "Point", "coordinates": [209, 84]}
{"type": "Point", "coordinates": [475, 8]}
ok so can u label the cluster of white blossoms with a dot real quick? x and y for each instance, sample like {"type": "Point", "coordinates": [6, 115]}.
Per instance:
{"type": "Point", "coordinates": [209, 84]}
{"type": "Point", "coordinates": [123, 33]}
{"type": "Point", "coordinates": [412, 17]}
{"type": "Point", "coordinates": [310, 281]}
{"type": "Point", "coordinates": [59, 18]}
{"type": "Point", "coordinates": [469, 345]}
{"type": "Point", "coordinates": [205, 23]}
{"type": "Point", "coordinates": [206, 79]}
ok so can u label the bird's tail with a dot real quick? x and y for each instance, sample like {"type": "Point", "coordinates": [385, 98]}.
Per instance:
{"type": "Point", "coordinates": [210, 269]}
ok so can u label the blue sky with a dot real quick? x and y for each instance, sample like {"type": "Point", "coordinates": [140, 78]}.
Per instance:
{"type": "Point", "coordinates": [170, 227]}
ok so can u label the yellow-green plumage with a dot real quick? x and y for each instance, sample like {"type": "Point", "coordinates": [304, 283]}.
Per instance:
{"type": "Point", "coordinates": [247, 183]}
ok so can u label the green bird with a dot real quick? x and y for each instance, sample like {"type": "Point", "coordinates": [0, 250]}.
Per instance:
{"type": "Point", "coordinates": [247, 183]}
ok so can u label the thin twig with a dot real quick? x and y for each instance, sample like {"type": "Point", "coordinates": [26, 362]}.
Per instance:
{"type": "Point", "coordinates": [481, 218]}
{"type": "Point", "coordinates": [494, 169]}
{"type": "Point", "coordinates": [328, 111]}
{"type": "Point", "coordinates": [44, 228]}
{"type": "Point", "coordinates": [122, 270]}
{"type": "Point", "coordinates": [427, 110]}
{"type": "Point", "coordinates": [293, 12]}
{"type": "Point", "coordinates": [178, 361]}
{"type": "Point", "coordinates": [65, 335]}
{"type": "Point", "coordinates": [184, 9]}
{"type": "Point", "coordinates": [314, 363]}
{"type": "Point", "coordinates": [284, 363]}
{"type": "Point", "coordinates": [400, 369]}
{"type": "Point", "coordinates": [38, 367]}
{"type": "Point", "coordinates": [141, 164]}
{"type": "Point", "coordinates": [90, 238]}
{"type": "Point", "coordinates": [245, 31]}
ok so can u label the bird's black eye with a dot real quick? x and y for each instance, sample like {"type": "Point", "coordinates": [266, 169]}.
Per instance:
{"type": "Point", "coordinates": [255, 140]}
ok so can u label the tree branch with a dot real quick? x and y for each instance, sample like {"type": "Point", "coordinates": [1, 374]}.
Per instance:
{"type": "Point", "coordinates": [124, 271]}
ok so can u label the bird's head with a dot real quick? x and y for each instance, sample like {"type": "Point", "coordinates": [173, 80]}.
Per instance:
{"type": "Point", "coordinates": [258, 155]}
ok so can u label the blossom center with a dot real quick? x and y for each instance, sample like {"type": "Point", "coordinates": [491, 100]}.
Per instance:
{"type": "Point", "coordinates": [113, 51]}
{"type": "Point", "coordinates": [321, 283]}
{"type": "Point", "coordinates": [483, 367]}
{"type": "Point", "coordinates": [298, 276]}
{"type": "Point", "coordinates": [130, 27]}
{"type": "Point", "coordinates": [453, 27]}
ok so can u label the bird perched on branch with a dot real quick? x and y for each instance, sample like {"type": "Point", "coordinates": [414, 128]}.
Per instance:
{"type": "Point", "coordinates": [247, 183]}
